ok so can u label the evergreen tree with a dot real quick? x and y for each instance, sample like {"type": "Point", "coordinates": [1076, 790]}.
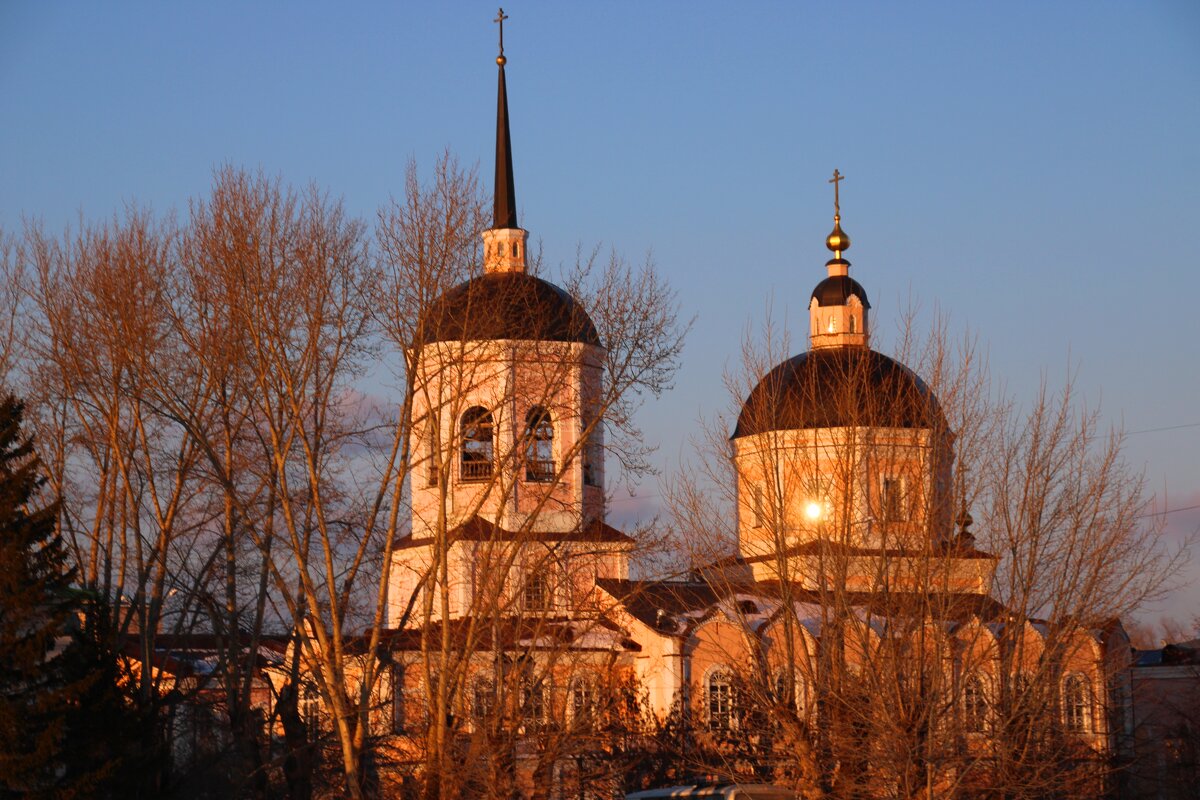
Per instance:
{"type": "Point", "coordinates": [48, 677]}
{"type": "Point", "coordinates": [110, 748]}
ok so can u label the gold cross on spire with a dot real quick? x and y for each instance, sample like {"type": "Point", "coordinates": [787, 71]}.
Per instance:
{"type": "Point", "coordinates": [835, 180]}
{"type": "Point", "coordinates": [500, 17]}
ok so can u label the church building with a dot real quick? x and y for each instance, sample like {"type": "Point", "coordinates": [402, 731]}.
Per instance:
{"type": "Point", "coordinates": [855, 588]}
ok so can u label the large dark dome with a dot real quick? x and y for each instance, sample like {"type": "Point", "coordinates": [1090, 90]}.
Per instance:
{"type": "Point", "coordinates": [506, 305]}
{"type": "Point", "coordinates": [839, 387]}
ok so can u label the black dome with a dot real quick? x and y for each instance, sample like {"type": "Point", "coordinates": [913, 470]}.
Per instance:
{"type": "Point", "coordinates": [836, 290]}
{"type": "Point", "coordinates": [839, 387]}
{"type": "Point", "coordinates": [506, 305]}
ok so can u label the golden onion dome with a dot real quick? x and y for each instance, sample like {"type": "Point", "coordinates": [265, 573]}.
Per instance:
{"type": "Point", "coordinates": [837, 241]}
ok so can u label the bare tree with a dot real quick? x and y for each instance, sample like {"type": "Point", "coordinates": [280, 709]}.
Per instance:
{"type": "Point", "coordinates": [99, 346]}
{"type": "Point", "coordinates": [10, 306]}
{"type": "Point", "coordinates": [281, 276]}
{"type": "Point", "coordinates": [191, 390]}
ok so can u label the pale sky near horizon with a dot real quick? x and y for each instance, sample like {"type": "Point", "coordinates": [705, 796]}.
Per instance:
{"type": "Point", "coordinates": [1030, 168]}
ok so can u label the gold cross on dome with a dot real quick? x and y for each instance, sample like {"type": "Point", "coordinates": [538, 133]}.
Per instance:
{"type": "Point", "coordinates": [835, 180]}
{"type": "Point", "coordinates": [500, 17]}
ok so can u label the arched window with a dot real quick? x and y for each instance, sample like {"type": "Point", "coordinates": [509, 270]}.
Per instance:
{"type": "Point", "coordinates": [793, 695]}
{"type": "Point", "coordinates": [975, 706]}
{"type": "Point", "coordinates": [722, 703]}
{"type": "Point", "coordinates": [1077, 704]}
{"type": "Point", "coordinates": [477, 447]}
{"type": "Point", "coordinates": [539, 445]}
{"type": "Point", "coordinates": [782, 692]}
{"type": "Point", "coordinates": [853, 324]}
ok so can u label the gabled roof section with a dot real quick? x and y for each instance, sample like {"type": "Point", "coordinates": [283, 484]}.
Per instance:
{"type": "Point", "coordinates": [656, 603]}
{"type": "Point", "coordinates": [663, 605]}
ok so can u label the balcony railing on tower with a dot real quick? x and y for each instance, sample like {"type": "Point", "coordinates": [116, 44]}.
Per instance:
{"type": "Point", "coordinates": [539, 470]}
{"type": "Point", "coordinates": [476, 470]}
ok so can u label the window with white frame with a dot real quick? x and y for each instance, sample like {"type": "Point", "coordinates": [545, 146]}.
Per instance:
{"type": "Point", "coordinates": [1022, 696]}
{"type": "Point", "coordinates": [721, 700]}
{"type": "Point", "coordinates": [310, 711]}
{"type": "Point", "coordinates": [782, 692]}
{"type": "Point", "coordinates": [533, 699]}
{"type": "Point", "coordinates": [794, 694]}
{"type": "Point", "coordinates": [975, 705]}
{"type": "Point", "coordinates": [1077, 704]}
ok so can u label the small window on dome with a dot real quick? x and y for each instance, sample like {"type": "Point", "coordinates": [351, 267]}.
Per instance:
{"type": "Point", "coordinates": [853, 326]}
{"type": "Point", "coordinates": [514, 249]}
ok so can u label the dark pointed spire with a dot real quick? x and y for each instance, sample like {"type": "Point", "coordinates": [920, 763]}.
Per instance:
{"type": "Point", "coordinates": [504, 214]}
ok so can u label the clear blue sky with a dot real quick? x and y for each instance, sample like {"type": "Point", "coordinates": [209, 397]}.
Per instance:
{"type": "Point", "coordinates": [1032, 168]}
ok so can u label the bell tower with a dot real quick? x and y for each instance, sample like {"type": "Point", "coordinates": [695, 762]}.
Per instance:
{"type": "Point", "coordinates": [508, 374]}
{"type": "Point", "coordinates": [507, 454]}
